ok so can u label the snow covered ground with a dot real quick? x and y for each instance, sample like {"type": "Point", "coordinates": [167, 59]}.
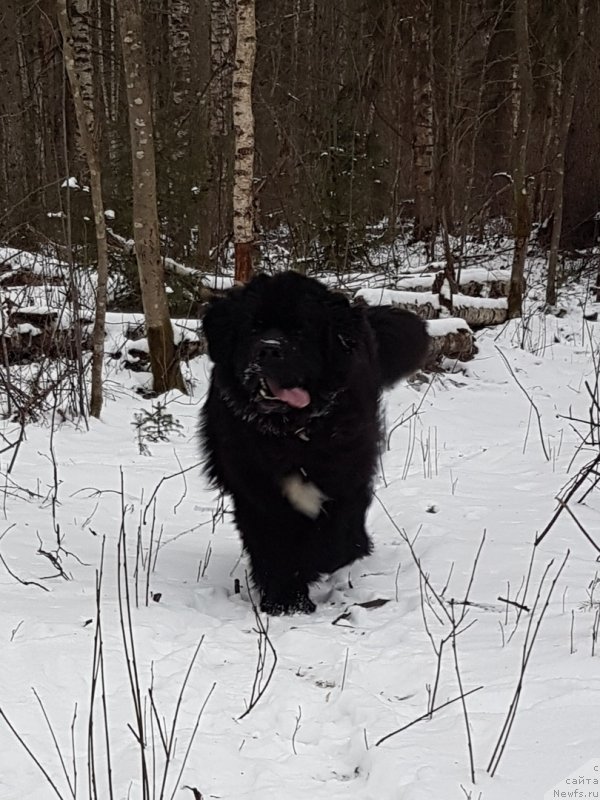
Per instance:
{"type": "Point", "coordinates": [469, 463]}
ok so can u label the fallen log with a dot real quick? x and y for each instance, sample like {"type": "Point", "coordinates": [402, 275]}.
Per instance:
{"type": "Point", "coordinates": [450, 338]}
{"type": "Point", "coordinates": [476, 311]}
{"type": "Point", "coordinates": [474, 282]}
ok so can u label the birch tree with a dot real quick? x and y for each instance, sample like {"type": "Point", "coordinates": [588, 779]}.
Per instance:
{"type": "Point", "coordinates": [243, 126]}
{"type": "Point", "coordinates": [77, 53]}
{"type": "Point", "coordinates": [166, 373]}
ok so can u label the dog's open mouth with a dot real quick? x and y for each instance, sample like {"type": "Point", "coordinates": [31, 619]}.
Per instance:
{"type": "Point", "coordinates": [295, 397]}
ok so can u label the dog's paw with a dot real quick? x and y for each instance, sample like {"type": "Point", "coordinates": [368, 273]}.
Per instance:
{"type": "Point", "coordinates": [290, 603]}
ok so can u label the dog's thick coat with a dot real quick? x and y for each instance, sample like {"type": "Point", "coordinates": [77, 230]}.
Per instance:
{"type": "Point", "coordinates": [291, 424]}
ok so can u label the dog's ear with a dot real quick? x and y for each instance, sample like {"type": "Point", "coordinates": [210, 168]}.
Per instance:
{"type": "Point", "coordinates": [227, 315]}
{"type": "Point", "coordinates": [402, 342]}
{"type": "Point", "coordinates": [343, 328]}
{"type": "Point", "coordinates": [219, 325]}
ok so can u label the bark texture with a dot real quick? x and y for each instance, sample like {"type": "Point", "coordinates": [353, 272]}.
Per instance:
{"type": "Point", "coordinates": [566, 86]}
{"type": "Point", "coordinates": [431, 306]}
{"type": "Point", "coordinates": [221, 63]}
{"type": "Point", "coordinates": [493, 285]}
{"type": "Point", "coordinates": [243, 125]}
{"type": "Point", "coordinates": [77, 54]}
{"type": "Point", "coordinates": [423, 124]}
{"type": "Point", "coordinates": [166, 372]}
{"type": "Point", "coordinates": [459, 344]}
{"type": "Point", "coordinates": [522, 206]}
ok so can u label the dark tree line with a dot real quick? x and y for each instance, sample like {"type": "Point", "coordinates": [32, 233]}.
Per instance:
{"type": "Point", "coordinates": [433, 116]}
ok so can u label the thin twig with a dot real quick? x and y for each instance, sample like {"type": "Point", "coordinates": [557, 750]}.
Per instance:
{"type": "Point", "coordinates": [426, 716]}
{"type": "Point", "coordinates": [22, 580]}
{"type": "Point", "coordinates": [529, 398]}
{"type": "Point", "coordinates": [191, 741]}
{"type": "Point", "coordinates": [31, 754]}
{"type": "Point", "coordinates": [170, 751]}
{"type": "Point", "coordinates": [163, 480]}
{"type": "Point", "coordinates": [55, 742]}
{"type": "Point", "coordinates": [513, 603]}
{"type": "Point", "coordinates": [529, 641]}
{"type": "Point", "coordinates": [258, 686]}
{"type": "Point", "coordinates": [464, 704]}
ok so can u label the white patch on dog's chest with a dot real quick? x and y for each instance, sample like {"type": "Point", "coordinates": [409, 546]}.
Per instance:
{"type": "Point", "coordinates": [303, 495]}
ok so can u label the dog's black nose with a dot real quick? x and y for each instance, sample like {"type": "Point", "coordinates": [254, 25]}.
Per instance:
{"type": "Point", "coordinates": [269, 348]}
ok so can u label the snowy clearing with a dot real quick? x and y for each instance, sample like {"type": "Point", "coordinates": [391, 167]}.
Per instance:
{"type": "Point", "coordinates": [469, 461]}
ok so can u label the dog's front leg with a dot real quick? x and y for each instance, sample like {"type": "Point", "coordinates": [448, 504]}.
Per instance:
{"type": "Point", "coordinates": [280, 561]}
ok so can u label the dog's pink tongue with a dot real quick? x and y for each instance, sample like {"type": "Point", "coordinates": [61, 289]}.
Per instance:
{"type": "Point", "coordinates": [296, 397]}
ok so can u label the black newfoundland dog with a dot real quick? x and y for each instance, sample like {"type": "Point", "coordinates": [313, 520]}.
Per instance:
{"type": "Point", "coordinates": [291, 424]}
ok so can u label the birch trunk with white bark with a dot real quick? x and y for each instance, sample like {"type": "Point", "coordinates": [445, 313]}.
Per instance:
{"type": "Point", "coordinates": [77, 54]}
{"type": "Point", "coordinates": [243, 126]}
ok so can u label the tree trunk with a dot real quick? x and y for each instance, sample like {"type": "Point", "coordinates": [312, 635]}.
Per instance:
{"type": "Point", "coordinates": [166, 373]}
{"type": "Point", "coordinates": [12, 166]}
{"type": "Point", "coordinates": [220, 61]}
{"type": "Point", "coordinates": [243, 126]}
{"type": "Point", "coordinates": [179, 171]}
{"type": "Point", "coordinates": [214, 200]}
{"type": "Point", "coordinates": [522, 210]}
{"type": "Point", "coordinates": [445, 87]}
{"type": "Point", "coordinates": [77, 54]}
{"type": "Point", "coordinates": [423, 125]}
{"type": "Point", "coordinates": [566, 86]}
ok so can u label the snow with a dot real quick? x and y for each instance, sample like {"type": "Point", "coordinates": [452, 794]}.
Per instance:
{"type": "Point", "coordinates": [70, 183]}
{"type": "Point", "coordinates": [392, 296]}
{"type": "Point", "coordinates": [217, 281]}
{"type": "Point", "coordinates": [445, 290]}
{"type": "Point", "coordinates": [382, 297]}
{"type": "Point", "coordinates": [441, 327]}
{"type": "Point", "coordinates": [463, 457]}
{"type": "Point", "coordinates": [480, 302]}
{"type": "Point", "coordinates": [475, 274]}
{"type": "Point", "coordinates": [37, 310]}
{"type": "Point", "coordinates": [25, 327]}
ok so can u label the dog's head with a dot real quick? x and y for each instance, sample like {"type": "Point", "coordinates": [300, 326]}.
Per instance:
{"type": "Point", "coordinates": [281, 346]}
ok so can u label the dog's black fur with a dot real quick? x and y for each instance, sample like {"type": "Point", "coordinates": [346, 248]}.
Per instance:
{"type": "Point", "coordinates": [291, 424]}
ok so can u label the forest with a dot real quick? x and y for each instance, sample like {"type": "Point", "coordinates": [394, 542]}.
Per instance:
{"type": "Point", "coordinates": [436, 156]}
{"type": "Point", "coordinates": [374, 119]}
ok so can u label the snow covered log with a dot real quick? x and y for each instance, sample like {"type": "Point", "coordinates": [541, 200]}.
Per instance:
{"type": "Point", "coordinates": [451, 338]}
{"type": "Point", "coordinates": [476, 311]}
{"type": "Point", "coordinates": [33, 337]}
{"type": "Point", "coordinates": [171, 266]}
{"type": "Point", "coordinates": [474, 282]}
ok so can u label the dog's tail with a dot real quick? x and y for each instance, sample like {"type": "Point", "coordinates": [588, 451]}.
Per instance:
{"type": "Point", "coordinates": [402, 342]}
